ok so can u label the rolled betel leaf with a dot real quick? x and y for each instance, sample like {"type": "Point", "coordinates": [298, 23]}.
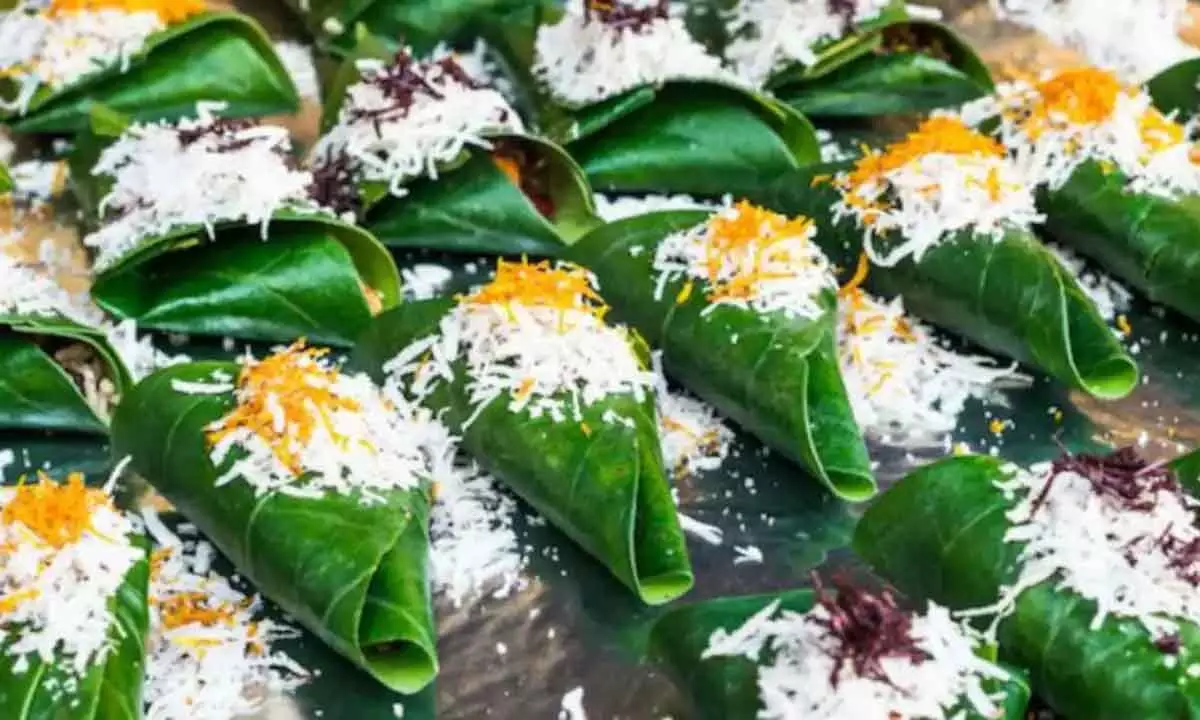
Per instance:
{"type": "Point", "coordinates": [851, 59]}
{"type": "Point", "coordinates": [1086, 569]}
{"type": "Point", "coordinates": [1120, 181]}
{"type": "Point", "coordinates": [428, 156]}
{"type": "Point", "coordinates": [944, 217]}
{"type": "Point", "coordinates": [742, 303]}
{"type": "Point", "coordinates": [849, 653]}
{"type": "Point", "coordinates": [314, 483]}
{"type": "Point", "coordinates": [73, 603]}
{"type": "Point", "coordinates": [555, 403]}
{"type": "Point", "coordinates": [209, 228]}
{"type": "Point", "coordinates": [150, 59]}
{"type": "Point", "coordinates": [644, 107]}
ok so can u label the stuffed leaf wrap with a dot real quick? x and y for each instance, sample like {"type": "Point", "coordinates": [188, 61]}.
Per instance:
{"type": "Point", "coordinates": [585, 453]}
{"type": "Point", "coordinates": [957, 532]}
{"type": "Point", "coordinates": [327, 517]}
{"type": "Point", "coordinates": [773, 371]}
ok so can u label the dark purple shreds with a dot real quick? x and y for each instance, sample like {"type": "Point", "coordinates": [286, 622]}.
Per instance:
{"type": "Point", "coordinates": [624, 15]}
{"type": "Point", "coordinates": [1122, 475]}
{"type": "Point", "coordinates": [845, 10]}
{"type": "Point", "coordinates": [404, 79]}
{"type": "Point", "coordinates": [1169, 644]}
{"type": "Point", "coordinates": [867, 628]}
{"type": "Point", "coordinates": [223, 129]}
{"type": "Point", "coordinates": [333, 184]}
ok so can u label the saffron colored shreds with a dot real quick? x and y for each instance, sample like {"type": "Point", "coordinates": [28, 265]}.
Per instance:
{"type": "Point", "coordinates": [405, 119]}
{"type": "Point", "coordinates": [1080, 115]}
{"type": "Point", "coordinates": [770, 35]}
{"type": "Point", "coordinates": [694, 437]}
{"type": "Point", "coordinates": [942, 179]}
{"type": "Point", "coordinates": [198, 172]}
{"type": "Point", "coordinates": [67, 550]}
{"type": "Point", "coordinates": [536, 336]}
{"type": "Point", "coordinates": [210, 654]}
{"type": "Point", "coordinates": [602, 48]}
{"type": "Point", "coordinates": [303, 427]}
{"type": "Point", "coordinates": [1115, 529]}
{"type": "Point", "coordinates": [748, 257]}
{"type": "Point", "coordinates": [857, 655]}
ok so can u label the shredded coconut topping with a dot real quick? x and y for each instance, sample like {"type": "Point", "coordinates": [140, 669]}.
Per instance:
{"type": "Point", "coordinates": [860, 656]}
{"type": "Point", "coordinates": [599, 50]}
{"type": "Point", "coordinates": [611, 208]}
{"type": "Point", "coordinates": [1114, 529]}
{"type": "Point", "coordinates": [1086, 114]}
{"type": "Point", "coordinates": [199, 172]}
{"type": "Point", "coordinates": [536, 334]}
{"type": "Point", "coordinates": [942, 179]}
{"type": "Point", "coordinates": [210, 655]}
{"type": "Point", "coordinates": [751, 258]}
{"type": "Point", "coordinates": [694, 437]}
{"type": "Point", "coordinates": [303, 427]}
{"type": "Point", "coordinates": [137, 352]}
{"type": "Point", "coordinates": [25, 290]}
{"type": "Point", "coordinates": [769, 35]}
{"type": "Point", "coordinates": [66, 553]}
{"type": "Point", "coordinates": [409, 118]}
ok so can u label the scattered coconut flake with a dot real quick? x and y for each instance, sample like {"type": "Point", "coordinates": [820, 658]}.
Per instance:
{"type": "Point", "coordinates": [198, 172]}
{"type": "Point", "coordinates": [210, 654]}
{"type": "Point", "coordinates": [599, 50]}
{"type": "Point", "coordinates": [858, 655]}
{"type": "Point", "coordinates": [302, 427]}
{"type": "Point", "coordinates": [535, 334]}
{"type": "Point", "coordinates": [137, 353]}
{"type": "Point", "coordinates": [67, 551]}
{"type": "Point", "coordinates": [479, 62]}
{"type": "Point", "coordinates": [751, 258]}
{"type": "Point", "coordinates": [424, 280]}
{"type": "Point", "coordinates": [694, 438]}
{"type": "Point", "coordinates": [572, 705]}
{"type": "Point", "coordinates": [747, 554]}
{"type": "Point", "coordinates": [611, 208]}
{"type": "Point", "coordinates": [1109, 296]}
{"type": "Point", "coordinates": [833, 151]}
{"type": "Point", "coordinates": [710, 534]}
{"type": "Point", "coordinates": [770, 35]}
{"type": "Point", "coordinates": [297, 59]}
{"type": "Point", "coordinates": [39, 181]}
{"type": "Point", "coordinates": [27, 290]}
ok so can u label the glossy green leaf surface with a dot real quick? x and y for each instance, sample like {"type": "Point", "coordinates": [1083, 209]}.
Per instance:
{"type": "Point", "coordinates": [1175, 88]}
{"type": "Point", "coordinates": [111, 690]}
{"type": "Point", "coordinates": [1010, 295]}
{"type": "Point", "coordinates": [779, 379]}
{"type": "Point", "coordinates": [599, 481]}
{"type": "Point", "coordinates": [476, 208]}
{"type": "Point", "coordinates": [1150, 242]}
{"type": "Point", "coordinates": [689, 137]}
{"type": "Point", "coordinates": [305, 280]}
{"type": "Point", "coordinates": [214, 56]}
{"type": "Point", "coordinates": [939, 535]}
{"type": "Point", "coordinates": [353, 574]}
{"type": "Point", "coordinates": [6, 181]}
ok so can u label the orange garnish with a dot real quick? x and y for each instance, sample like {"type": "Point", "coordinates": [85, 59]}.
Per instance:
{"type": "Point", "coordinates": [170, 11]}
{"type": "Point", "coordinates": [562, 288]}
{"type": "Point", "coordinates": [852, 285]}
{"type": "Point", "coordinates": [188, 608]}
{"type": "Point", "coordinates": [57, 513]}
{"type": "Point", "coordinates": [509, 167]}
{"type": "Point", "coordinates": [734, 235]}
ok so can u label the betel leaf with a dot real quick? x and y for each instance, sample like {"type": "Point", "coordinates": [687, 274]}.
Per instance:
{"type": "Point", "coordinates": [6, 181]}
{"type": "Point", "coordinates": [599, 481]}
{"type": "Point", "coordinates": [936, 69]}
{"type": "Point", "coordinates": [939, 535]}
{"type": "Point", "coordinates": [305, 280]}
{"type": "Point", "coordinates": [36, 392]}
{"type": "Point", "coordinates": [476, 208]}
{"type": "Point", "coordinates": [353, 574]}
{"type": "Point", "coordinates": [775, 376]}
{"type": "Point", "coordinates": [1176, 90]}
{"type": "Point", "coordinates": [110, 690]}
{"type": "Point", "coordinates": [1011, 295]}
{"type": "Point", "coordinates": [222, 57]}
{"type": "Point", "coordinates": [701, 138]}
{"type": "Point", "coordinates": [1151, 242]}
{"type": "Point", "coordinates": [725, 687]}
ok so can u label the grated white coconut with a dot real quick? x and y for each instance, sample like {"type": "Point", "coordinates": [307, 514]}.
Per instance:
{"type": "Point", "coordinates": [747, 257]}
{"type": "Point", "coordinates": [230, 172]}
{"type": "Point", "coordinates": [396, 138]}
{"type": "Point", "coordinates": [611, 208]}
{"type": "Point", "coordinates": [55, 592]}
{"type": "Point", "coordinates": [480, 63]}
{"type": "Point", "coordinates": [583, 61]}
{"type": "Point", "coordinates": [209, 653]}
{"type": "Point", "coordinates": [1109, 296]}
{"type": "Point", "coordinates": [770, 35]}
{"type": "Point", "coordinates": [795, 683]}
{"type": "Point", "coordinates": [1134, 38]}
{"type": "Point", "coordinates": [694, 438]}
{"type": "Point", "coordinates": [424, 280]}
{"type": "Point", "coordinates": [303, 427]}
{"type": "Point", "coordinates": [27, 289]}
{"type": "Point", "coordinates": [535, 335]}
{"type": "Point", "coordinates": [137, 353]}
{"type": "Point", "coordinates": [39, 181]}
{"type": "Point", "coordinates": [297, 59]}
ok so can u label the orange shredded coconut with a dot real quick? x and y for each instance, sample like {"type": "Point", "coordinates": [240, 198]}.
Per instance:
{"type": "Point", "coordinates": [851, 288]}
{"type": "Point", "coordinates": [193, 608]}
{"type": "Point", "coordinates": [996, 426]}
{"type": "Point", "coordinates": [734, 235]}
{"type": "Point", "coordinates": [1123, 325]}
{"type": "Point", "coordinates": [300, 388]}
{"type": "Point", "coordinates": [57, 513]}
{"type": "Point", "coordinates": [170, 11]}
{"type": "Point", "coordinates": [13, 600]}
{"type": "Point", "coordinates": [562, 288]}
{"type": "Point", "coordinates": [684, 293]}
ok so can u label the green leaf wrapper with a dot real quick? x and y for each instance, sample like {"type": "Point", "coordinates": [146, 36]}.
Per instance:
{"type": "Point", "coordinates": [111, 690]}
{"type": "Point", "coordinates": [939, 534]}
{"type": "Point", "coordinates": [304, 281]}
{"type": "Point", "coordinates": [780, 379]}
{"type": "Point", "coordinates": [213, 56]}
{"type": "Point", "coordinates": [355, 575]}
{"type": "Point", "coordinates": [1011, 296]}
{"type": "Point", "coordinates": [727, 687]}
{"type": "Point", "coordinates": [605, 488]}
{"type": "Point", "coordinates": [6, 181]}
{"type": "Point", "coordinates": [1175, 88]}
{"type": "Point", "coordinates": [36, 393]}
